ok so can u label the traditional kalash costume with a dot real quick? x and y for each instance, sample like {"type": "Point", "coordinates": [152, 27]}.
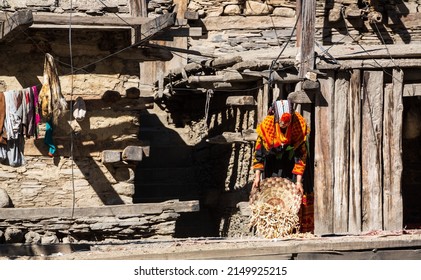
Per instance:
{"type": "Point", "coordinates": [281, 152]}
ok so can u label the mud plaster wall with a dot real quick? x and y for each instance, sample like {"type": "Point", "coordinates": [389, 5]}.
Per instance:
{"type": "Point", "coordinates": [109, 124]}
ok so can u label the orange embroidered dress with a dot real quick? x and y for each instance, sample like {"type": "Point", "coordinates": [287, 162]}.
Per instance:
{"type": "Point", "coordinates": [273, 142]}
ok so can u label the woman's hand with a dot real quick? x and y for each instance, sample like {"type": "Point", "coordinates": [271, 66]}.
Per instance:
{"type": "Point", "coordinates": [299, 186]}
{"type": "Point", "coordinates": [256, 182]}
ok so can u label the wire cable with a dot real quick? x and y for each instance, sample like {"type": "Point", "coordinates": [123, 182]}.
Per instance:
{"type": "Point", "coordinates": [71, 109]}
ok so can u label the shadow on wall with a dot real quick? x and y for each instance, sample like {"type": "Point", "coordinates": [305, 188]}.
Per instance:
{"type": "Point", "coordinates": [176, 169]}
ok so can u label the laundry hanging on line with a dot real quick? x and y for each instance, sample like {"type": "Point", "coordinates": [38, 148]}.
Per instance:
{"type": "Point", "coordinates": [21, 111]}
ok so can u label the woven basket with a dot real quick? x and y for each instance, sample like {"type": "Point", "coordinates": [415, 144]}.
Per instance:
{"type": "Point", "coordinates": [275, 208]}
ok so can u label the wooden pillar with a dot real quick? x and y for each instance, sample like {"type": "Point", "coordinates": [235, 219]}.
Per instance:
{"type": "Point", "coordinates": [371, 143]}
{"type": "Point", "coordinates": [354, 219]}
{"type": "Point", "coordinates": [138, 8]}
{"type": "Point", "coordinates": [305, 39]}
{"type": "Point", "coordinates": [392, 153]}
{"type": "Point", "coordinates": [341, 152]}
{"type": "Point", "coordinates": [152, 71]}
{"type": "Point", "coordinates": [323, 157]}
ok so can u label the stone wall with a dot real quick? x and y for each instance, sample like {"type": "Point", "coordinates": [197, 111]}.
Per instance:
{"type": "Point", "coordinates": [69, 225]}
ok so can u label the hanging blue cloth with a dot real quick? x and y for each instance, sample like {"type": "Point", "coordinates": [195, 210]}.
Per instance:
{"type": "Point", "coordinates": [48, 139]}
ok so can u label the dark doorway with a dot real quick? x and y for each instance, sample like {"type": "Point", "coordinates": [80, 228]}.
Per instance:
{"type": "Point", "coordinates": [411, 156]}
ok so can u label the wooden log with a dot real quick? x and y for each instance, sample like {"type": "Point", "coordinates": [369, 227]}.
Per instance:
{"type": "Point", "coordinates": [156, 25]}
{"type": "Point", "coordinates": [132, 153]}
{"type": "Point", "coordinates": [179, 32]}
{"type": "Point", "coordinates": [234, 137]}
{"type": "Point", "coordinates": [223, 76]}
{"type": "Point", "coordinates": [301, 97]}
{"type": "Point", "coordinates": [110, 156]}
{"type": "Point", "coordinates": [276, 77]}
{"type": "Point", "coordinates": [354, 101]}
{"type": "Point", "coordinates": [100, 211]}
{"type": "Point", "coordinates": [16, 22]}
{"type": "Point", "coordinates": [240, 101]}
{"type": "Point", "coordinates": [371, 64]}
{"type": "Point", "coordinates": [372, 119]}
{"type": "Point", "coordinates": [392, 154]}
{"type": "Point", "coordinates": [323, 158]}
{"type": "Point", "coordinates": [310, 85]}
{"type": "Point", "coordinates": [254, 65]}
{"type": "Point", "coordinates": [341, 152]}
{"type": "Point", "coordinates": [249, 135]}
{"type": "Point", "coordinates": [63, 19]}
{"type": "Point", "coordinates": [223, 62]}
{"type": "Point", "coordinates": [222, 85]}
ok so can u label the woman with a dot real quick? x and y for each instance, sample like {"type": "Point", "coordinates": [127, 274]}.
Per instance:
{"type": "Point", "coordinates": [281, 148]}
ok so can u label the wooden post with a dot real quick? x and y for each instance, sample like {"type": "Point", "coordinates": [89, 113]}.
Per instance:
{"type": "Point", "coordinates": [137, 8]}
{"type": "Point", "coordinates": [354, 219]}
{"type": "Point", "coordinates": [306, 37]}
{"type": "Point", "coordinates": [392, 153]}
{"type": "Point", "coordinates": [372, 175]}
{"type": "Point", "coordinates": [341, 153]}
{"type": "Point", "coordinates": [150, 71]}
{"type": "Point", "coordinates": [323, 157]}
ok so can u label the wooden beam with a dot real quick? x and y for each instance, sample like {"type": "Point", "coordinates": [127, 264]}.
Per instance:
{"type": "Point", "coordinates": [157, 24]}
{"type": "Point", "coordinates": [63, 19]}
{"type": "Point", "coordinates": [234, 137]}
{"type": "Point", "coordinates": [180, 32]}
{"type": "Point", "coordinates": [18, 21]}
{"type": "Point", "coordinates": [240, 101]}
{"type": "Point", "coordinates": [302, 97]}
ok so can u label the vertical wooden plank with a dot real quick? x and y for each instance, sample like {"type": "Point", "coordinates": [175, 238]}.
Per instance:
{"type": "Point", "coordinates": [149, 70]}
{"type": "Point", "coordinates": [265, 99]}
{"type": "Point", "coordinates": [306, 42]}
{"type": "Point", "coordinates": [354, 218]}
{"type": "Point", "coordinates": [372, 124]}
{"type": "Point", "coordinates": [260, 112]}
{"type": "Point", "coordinates": [323, 186]}
{"type": "Point", "coordinates": [137, 8]}
{"type": "Point", "coordinates": [392, 153]}
{"type": "Point", "coordinates": [341, 152]}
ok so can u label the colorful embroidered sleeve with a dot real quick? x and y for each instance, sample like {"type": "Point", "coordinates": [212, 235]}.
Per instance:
{"type": "Point", "coordinates": [299, 133]}
{"type": "Point", "coordinates": [258, 157]}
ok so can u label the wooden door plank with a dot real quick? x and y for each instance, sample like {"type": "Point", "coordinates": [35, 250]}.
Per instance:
{"type": "Point", "coordinates": [392, 154]}
{"type": "Point", "coordinates": [372, 111]}
{"type": "Point", "coordinates": [341, 152]}
{"type": "Point", "coordinates": [323, 189]}
{"type": "Point", "coordinates": [354, 218]}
